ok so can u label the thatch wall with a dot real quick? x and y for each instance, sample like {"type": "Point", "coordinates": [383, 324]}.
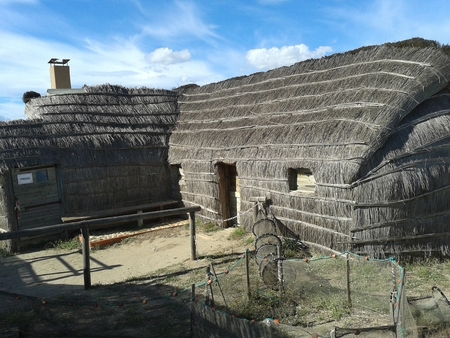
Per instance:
{"type": "Point", "coordinates": [329, 115]}
{"type": "Point", "coordinates": [109, 145]}
{"type": "Point", "coordinates": [413, 215]}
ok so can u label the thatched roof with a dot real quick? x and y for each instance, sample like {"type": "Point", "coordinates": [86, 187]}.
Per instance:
{"type": "Point", "coordinates": [101, 119]}
{"type": "Point", "coordinates": [422, 137]}
{"type": "Point", "coordinates": [329, 115]}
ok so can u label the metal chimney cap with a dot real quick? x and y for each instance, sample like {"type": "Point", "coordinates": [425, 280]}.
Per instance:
{"type": "Point", "coordinates": [55, 61]}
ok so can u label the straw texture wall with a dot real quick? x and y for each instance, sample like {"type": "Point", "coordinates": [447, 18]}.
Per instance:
{"type": "Point", "coordinates": [342, 117]}
{"type": "Point", "coordinates": [109, 145]}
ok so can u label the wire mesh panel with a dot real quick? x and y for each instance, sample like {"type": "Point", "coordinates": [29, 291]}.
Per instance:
{"type": "Point", "coordinates": [267, 239]}
{"type": "Point", "coordinates": [268, 269]}
{"type": "Point", "coordinates": [372, 283]}
{"type": "Point", "coordinates": [321, 275]}
{"type": "Point", "coordinates": [265, 251]}
{"type": "Point", "coordinates": [264, 226]}
{"type": "Point", "coordinates": [432, 311]}
{"type": "Point", "coordinates": [341, 295]}
{"type": "Point", "coordinates": [351, 290]}
{"type": "Point", "coordinates": [406, 325]}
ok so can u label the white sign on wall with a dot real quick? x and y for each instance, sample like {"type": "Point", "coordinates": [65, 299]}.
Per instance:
{"type": "Point", "coordinates": [25, 178]}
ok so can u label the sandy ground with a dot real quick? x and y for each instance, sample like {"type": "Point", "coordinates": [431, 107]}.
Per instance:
{"type": "Point", "coordinates": [48, 273]}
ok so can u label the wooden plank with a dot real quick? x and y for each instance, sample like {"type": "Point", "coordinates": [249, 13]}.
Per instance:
{"type": "Point", "coordinates": [192, 233]}
{"type": "Point", "coordinates": [96, 223]}
{"type": "Point", "coordinates": [32, 218]}
{"type": "Point", "coordinates": [86, 258]}
{"type": "Point", "coordinates": [40, 205]}
{"type": "Point", "coordinates": [117, 211]}
{"type": "Point", "coordinates": [384, 240]}
{"type": "Point", "coordinates": [39, 200]}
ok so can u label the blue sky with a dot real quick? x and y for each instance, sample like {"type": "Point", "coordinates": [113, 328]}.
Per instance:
{"type": "Point", "coordinates": [169, 43]}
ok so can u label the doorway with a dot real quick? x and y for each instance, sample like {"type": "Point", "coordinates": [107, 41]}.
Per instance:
{"type": "Point", "coordinates": [229, 194]}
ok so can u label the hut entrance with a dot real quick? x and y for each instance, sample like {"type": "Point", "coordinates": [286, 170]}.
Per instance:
{"type": "Point", "coordinates": [36, 197]}
{"type": "Point", "coordinates": [229, 193]}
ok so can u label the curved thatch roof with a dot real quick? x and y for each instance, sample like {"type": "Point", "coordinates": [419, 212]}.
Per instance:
{"type": "Point", "coordinates": [330, 115]}
{"type": "Point", "coordinates": [421, 138]}
{"type": "Point", "coordinates": [102, 119]}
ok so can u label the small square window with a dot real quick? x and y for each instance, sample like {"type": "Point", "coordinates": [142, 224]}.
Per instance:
{"type": "Point", "coordinates": [302, 180]}
{"type": "Point", "coordinates": [41, 175]}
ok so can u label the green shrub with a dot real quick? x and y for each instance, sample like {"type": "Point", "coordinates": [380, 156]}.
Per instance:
{"type": "Point", "coordinates": [67, 244]}
{"type": "Point", "coordinates": [237, 234]}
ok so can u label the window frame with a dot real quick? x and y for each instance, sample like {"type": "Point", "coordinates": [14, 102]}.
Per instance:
{"type": "Point", "coordinates": [301, 180]}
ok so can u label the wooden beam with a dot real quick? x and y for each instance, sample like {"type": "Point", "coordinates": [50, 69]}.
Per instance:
{"type": "Point", "coordinates": [86, 258]}
{"type": "Point", "coordinates": [95, 223]}
{"type": "Point", "coordinates": [117, 211]}
{"type": "Point", "coordinates": [397, 239]}
{"type": "Point", "coordinates": [104, 222]}
{"type": "Point", "coordinates": [192, 231]}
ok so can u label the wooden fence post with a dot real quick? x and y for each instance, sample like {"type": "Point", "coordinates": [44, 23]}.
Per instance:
{"type": "Point", "coordinates": [192, 230]}
{"type": "Point", "coordinates": [247, 270]}
{"type": "Point", "coordinates": [86, 258]}
{"type": "Point", "coordinates": [193, 292]}
{"type": "Point", "coordinates": [280, 269]}
{"type": "Point", "coordinates": [257, 200]}
{"type": "Point", "coordinates": [102, 223]}
{"type": "Point", "coordinates": [349, 298]}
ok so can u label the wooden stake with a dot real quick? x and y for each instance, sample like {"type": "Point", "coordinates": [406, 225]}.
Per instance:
{"type": "Point", "coordinates": [218, 284]}
{"type": "Point", "coordinates": [86, 258]}
{"type": "Point", "coordinates": [247, 270]}
{"type": "Point", "coordinates": [349, 299]}
{"type": "Point", "coordinates": [192, 230]}
{"type": "Point", "coordinates": [209, 296]}
{"type": "Point", "coordinates": [280, 268]}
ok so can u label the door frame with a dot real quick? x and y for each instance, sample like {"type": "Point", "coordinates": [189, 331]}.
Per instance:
{"type": "Point", "coordinates": [227, 176]}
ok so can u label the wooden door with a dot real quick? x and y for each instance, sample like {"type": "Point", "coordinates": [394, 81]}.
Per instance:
{"type": "Point", "coordinates": [37, 198]}
{"type": "Point", "coordinates": [229, 193]}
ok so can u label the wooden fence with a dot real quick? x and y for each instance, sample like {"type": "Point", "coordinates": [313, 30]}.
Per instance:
{"type": "Point", "coordinates": [107, 222]}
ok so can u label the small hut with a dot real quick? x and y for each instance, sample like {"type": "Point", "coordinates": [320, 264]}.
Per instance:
{"type": "Point", "coordinates": [351, 151]}
{"type": "Point", "coordinates": [82, 151]}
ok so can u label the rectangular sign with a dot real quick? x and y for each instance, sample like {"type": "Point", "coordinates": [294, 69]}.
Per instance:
{"type": "Point", "coordinates": [25, 178]}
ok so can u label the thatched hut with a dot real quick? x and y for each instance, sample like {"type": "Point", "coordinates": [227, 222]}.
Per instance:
{"type": "Point", "coordinates": [82, 151]}
{"type": "Point", "coordinates": [352, 151]}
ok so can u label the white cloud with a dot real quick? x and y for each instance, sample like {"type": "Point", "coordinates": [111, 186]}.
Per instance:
{"type": "Point", "coordinates": [381, 21]}
{"type": "Point", "coordinates": [124, 63]}
{"type": "Point", "coordinates": [23, 67]}
{"type": "Point", "coordinates": [167, 56]}
{"type": "Point", "coordinates": [274, 57]}
{"type": "Point", "coordinates": [183, 19]}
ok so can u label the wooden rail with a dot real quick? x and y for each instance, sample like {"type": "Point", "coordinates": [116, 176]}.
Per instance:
{"type": "Point", "coordinates": [119, 211]}
{"type": "Point", "coordinates": [85, 225]}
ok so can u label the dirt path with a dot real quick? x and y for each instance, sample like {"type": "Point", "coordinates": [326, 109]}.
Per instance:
{"type": "Point", "coordinates": [49, 273]}
{"type": "Point", "coordinates": [42, 293]}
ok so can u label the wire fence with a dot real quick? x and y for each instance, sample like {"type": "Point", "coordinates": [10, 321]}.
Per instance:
{"type": "Point", "coordinates": [337, 295]}
{"type": "Point", "coordinates": [341, 295]}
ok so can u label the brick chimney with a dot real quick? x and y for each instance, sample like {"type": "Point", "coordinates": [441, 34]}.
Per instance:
{"type": "Point", "coordinates": [59, 74]}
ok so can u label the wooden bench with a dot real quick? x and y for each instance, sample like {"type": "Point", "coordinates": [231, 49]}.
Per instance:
{"type": "Point", "coordinates": [120, 211]}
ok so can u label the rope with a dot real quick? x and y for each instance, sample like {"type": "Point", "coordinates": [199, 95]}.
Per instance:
{"type": "Point", "coordinates": [228, 219]}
